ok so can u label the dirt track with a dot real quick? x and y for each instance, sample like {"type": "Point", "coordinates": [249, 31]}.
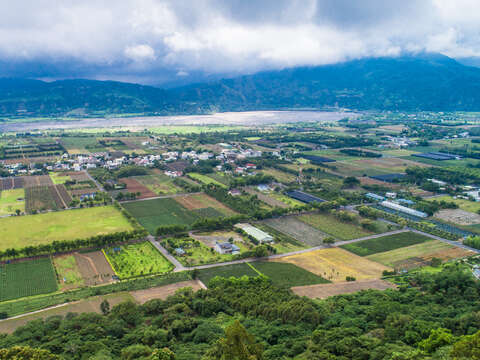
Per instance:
{"type": "Point", "coordinates": [162, 292]}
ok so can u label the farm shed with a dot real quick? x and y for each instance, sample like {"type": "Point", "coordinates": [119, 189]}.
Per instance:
{"type": "Point", "coordinates": [404, 209]}
{"type": "Point", "coordinates": [317, 159]}
{"type": "Point", "coordinates": [226, 248]}
{"type": "Point", "coordinates": [304, 197]}
{"type": "Point", "coordinates": [439, 156]}
{"type": "Point", "coordinates": [375, 197]}
{"type": "Point", "coordinates": [257, 234]}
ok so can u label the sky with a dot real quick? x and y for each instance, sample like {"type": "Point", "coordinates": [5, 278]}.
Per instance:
{"type": "Point", "coordinates": [177, 41]}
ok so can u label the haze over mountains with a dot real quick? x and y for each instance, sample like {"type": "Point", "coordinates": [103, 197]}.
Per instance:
{"type": "Point", "coordinates": [425, 82]}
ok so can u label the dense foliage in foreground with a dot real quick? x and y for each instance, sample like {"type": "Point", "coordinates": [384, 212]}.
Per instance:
{"type": "Point", "coordinates": [436, 321]}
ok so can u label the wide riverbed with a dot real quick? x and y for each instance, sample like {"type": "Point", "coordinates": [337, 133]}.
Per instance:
{"type": "Point", "coordinates": [229, 118]}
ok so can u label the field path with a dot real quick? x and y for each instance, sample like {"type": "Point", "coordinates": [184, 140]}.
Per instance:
{"type": "Point", "coordinates": [90, 261]}
{"type": "Point", "coordinates": [163, 197]}
{"type": "Point", "coordinates": [60, 197]}
{"type": "Point", "coordinates": [170, 257]}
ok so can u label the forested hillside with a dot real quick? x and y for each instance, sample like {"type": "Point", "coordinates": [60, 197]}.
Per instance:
{"type": "Point", "coordinates": [252, 319]}
{"type": "Point", "coordinates": [427, 82]}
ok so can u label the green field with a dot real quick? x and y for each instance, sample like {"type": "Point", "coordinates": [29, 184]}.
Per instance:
{"type": "Point", "coordinates": [67, 272]}
{"type": "Point", "coordinates": [27, 278]}
{"type": "Point", "coordinates": [159, 183]}
{"type": "Point", "coordinates": [463, 204]}
{"type": "Point", "coordinates": [385, 243]}
{"type": "Point", "coordinates": [20, 231]}
{"type": "Point", "coordinates": [334, 227]}
{"type": "Point", "coordinates": [288, 275]}
{"type": "Point", "coordinates": [59, 178]}
{"type": "Point", "coordinates": [286, 199]}
{"type": "Point", "coordinates": [154, 213]}
{"type": "Point", "coordinates": [137, 260]}
{"type": "Point", "coordinates": [9, 201]}
{"type": "Point", "coordinates": [281, 274]}
{"type": "Point", "coordinates": [235, 270]}
{"type": "Point", "coordinates": [204, 179]}
{"type": "Point", "coordinates": [393, 257]}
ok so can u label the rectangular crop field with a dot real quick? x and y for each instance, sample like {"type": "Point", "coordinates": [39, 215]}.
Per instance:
{"type": "Point", "coordinates": [235, 270]}
{"type": "Point", "coordinates": [137, 260]}
{"type": "Point", "coordinates": [326, 290]}
{"type": "Point", "coordinates": [27, 278]}
{"type": "Point", "coordinates": [204, 179]}
{"type": "Point", "coordinates": [40, 198]}
{"type": "Point", "coordinates": [59, 178]}
{"type": "Point", "coordinates": [385, 243]}
{"type": "Point", "coordinates": [463, 204]}
{"type": "Point", "coordinates": [20, 231]}
{"type": "Point", "coordinates": [94, 268]}
{"type": "Point", "coordinates": [288, 275]}
{"type": "Point", "coordinates": [180, 210]}
{"type": "Point", "coordinates": [334, 227]}
{"type": "Point", "coordinates": [160, 184]}
{"type": "Point", "coordinates": [68, 273]}
{"type": "Point", "coordinates": [280, 176]}
{"type": "Point", "coordinates": [297, 229]}
{"type": "Point", "coordinates": [11, 200]}
{"type": "Point", "coordinates": [395, 257]}
{"type": "Point", "coordinates": [336, 264]}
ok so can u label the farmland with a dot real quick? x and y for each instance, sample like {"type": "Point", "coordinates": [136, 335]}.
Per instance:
{"type": "Point", "coordinates": [68, 273]}
{"type": "Point", "coordinates": [160, 184]}
{"type": "Point", "coordinates": [39, 198]}
{"type": "Point", "coordinates": [134, 186]}
{"type": "Point", "coordinates": [415, 254]}
{"type": "Point", "coordinates": [204, 179]}
{"type": "Point", "coordinates": [332, 226]}
{"type": "Point", "coordinates": [336, 264]}
{"type": "Point", "coordinates": [12, 200]}
{"type": "Point", "coordinates": [458, 216]}
{"type": "Point", "coordinates": [181, 210]}
{"type": "Point", "coordinates": [463, 204]}
{"type": "Point", "coordinates": [94, 267]}
{"type": "Point", "coordinates": [27, 278]}
{"type": "Point", "coordinates": [137, 260]}
{"type": "Point", "coordinates": [59, 178]}
{"type": "Point", "coordinates": [323, 291]}
{"type": "Point", "coordinates": [20, 231]}
{"type": "Point", "coordinates": [297, 229]}
{"type": "Point", "coordinates": [287, 275]}
{"type": "Point", "coordinates": [281, 176]}
{"type": "Point", "coordinates": [236, 270]}
{"type": "Point", "coordinates": [385, 243]}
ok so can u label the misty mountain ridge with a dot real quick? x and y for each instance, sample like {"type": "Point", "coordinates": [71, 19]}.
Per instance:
{"type": "Point", "coordinates": [408, 83]}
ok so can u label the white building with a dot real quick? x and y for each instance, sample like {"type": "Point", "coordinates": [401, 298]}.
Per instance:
{"type": "Point", "coordinates": [257, 234]}
{"type": "Point", "coordinates": [404, 209]}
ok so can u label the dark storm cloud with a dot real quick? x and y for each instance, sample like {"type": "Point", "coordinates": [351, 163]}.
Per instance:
{"type": "Point", "coordinates": [160, 40]}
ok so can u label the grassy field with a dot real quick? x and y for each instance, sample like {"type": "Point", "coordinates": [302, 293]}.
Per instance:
{"type": "Point", "coordinates": [236, 270]}
{"type": "Point", "coordinates": [154, 213]}
{"type": "Point", "coordinates": [283, 243]}
{"type": "Point", "coordinates": [286, 199]}
{"type": "Point", "coordinates": [59, 178]}
{"type": "Point", "coordinates": [463, 204]}
{"type": "Point", "coordinates": [20, 231]}
{"type": "Point", "coordinates": [336, 264]}
{"type": "Point", "coordinates": [159, 183]}
{"type": "Point", "coordinates": [68, 273]}
{"type": "Point", "coordinates": [9, 201]}
{"type": "Point", "coordinates": [296, 229]}
{"type": "Point", "coordinates": [334, 227]}
{"type": "Point", "coordinates": [288, 275]}
{"type": "Point", "coordinates": [281, 176]}
{"type": "Point", "coordinates": [27, 278]}
{"type": "Point", "coordinates": [137, 260]}
{"type": "Point", "coordinates": [385, 243]}
{"type": "Point", "coordinates": [393, 257]}
{"type": "Point", "coordinates": [181, 210]}
{"type": "Point", "coordinates": [204, 179]}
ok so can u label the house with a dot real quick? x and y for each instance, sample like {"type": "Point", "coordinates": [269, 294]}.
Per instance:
{"type": "Point", "coordinates": [257, 234]}
{"type": "Point", "coordinates": [391, 195]}
{"type": "Point", "coordinates": [235, 192]}
{"type": "Point", "coordinates": [226, 248]}
{"type": "Point", "coordinates": [179, 251]}
{"type": "Point", "coordinates": [263, 187]}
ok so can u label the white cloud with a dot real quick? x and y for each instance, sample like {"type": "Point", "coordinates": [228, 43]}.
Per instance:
{"type": "Point", "coordinates": [140, 52]}
{"type": "Point", "coordinates": [219, 36]}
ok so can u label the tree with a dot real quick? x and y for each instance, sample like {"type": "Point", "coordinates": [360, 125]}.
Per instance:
{"type": "Point", "coordinates": [329, 240]}
{"type": "Point", "coordinates": [162, 354]}
{"type": "Point", "coordinates": [467, 348]}
{"type": "Point", "coordinates": [438, 338]}
{"type": "Point", "coordinates": [105, 307]}
{"type": "Point", "coordinates": [26, 353]}
{"type": "Point", "coordinates": [238, 344]}
{"type": "Point", "coordinates": [350, 182]}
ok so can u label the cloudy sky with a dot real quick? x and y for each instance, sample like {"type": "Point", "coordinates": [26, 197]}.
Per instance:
{"type": "Point", "coordinates": [158, 41]}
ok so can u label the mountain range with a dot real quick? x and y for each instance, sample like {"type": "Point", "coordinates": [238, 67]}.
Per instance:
{"type": "Point", "coordinates": [408, 83]}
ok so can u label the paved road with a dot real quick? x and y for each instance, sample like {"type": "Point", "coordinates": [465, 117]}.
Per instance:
{"type": "Point", "coordinates": [95, 181]}
{"type": "Point", "coordinates": [162, 197]}
{"type": "Point", "coordinates": [170, 257]}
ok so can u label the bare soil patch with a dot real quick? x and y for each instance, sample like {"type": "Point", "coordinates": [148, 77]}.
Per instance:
{"type": "Point", "coordinates": [458, 216]}
{"type": "Point", "coordinates": [449, 254]}
{"type": "Point", "coordinates": [323, 291]}
{"type": "Point", "coordinates": [78, 175]}
{"type": "Point", "coordinates": [364, 180]}
{"type": "Point", "coordinates": [135, 186]}
{"type": "Point", "coordinates": [41, 180]}
{"type": "Point", "coordinates": [265, 198]}
{"type": "Point", "coordinates": [162, 292]}
{"type": "Point", "coordinates": [94, 268]}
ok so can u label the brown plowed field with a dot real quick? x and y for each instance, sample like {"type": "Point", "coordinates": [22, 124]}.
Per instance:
{"type": "Point", "coordinates": [297, 229]}
{"type": "Point", "coordinates": [94, 268]}
{"type": "Point", "coordinates": [78, 175]}
{"type": "Point", "coordinates": [162, 292]}
{"type": "Point", "coordinates": [11, 183]}
{"type": "Point", "coordinates": [41, 180]}
{"type": "Point", "coordinates": [323, 291]}
{"type": "Point", "coordinates": [448, 254]}
{"type": "Point", "coordinates": [134, 186]}
{"type": "Point", "coordinates": [67, 199]}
